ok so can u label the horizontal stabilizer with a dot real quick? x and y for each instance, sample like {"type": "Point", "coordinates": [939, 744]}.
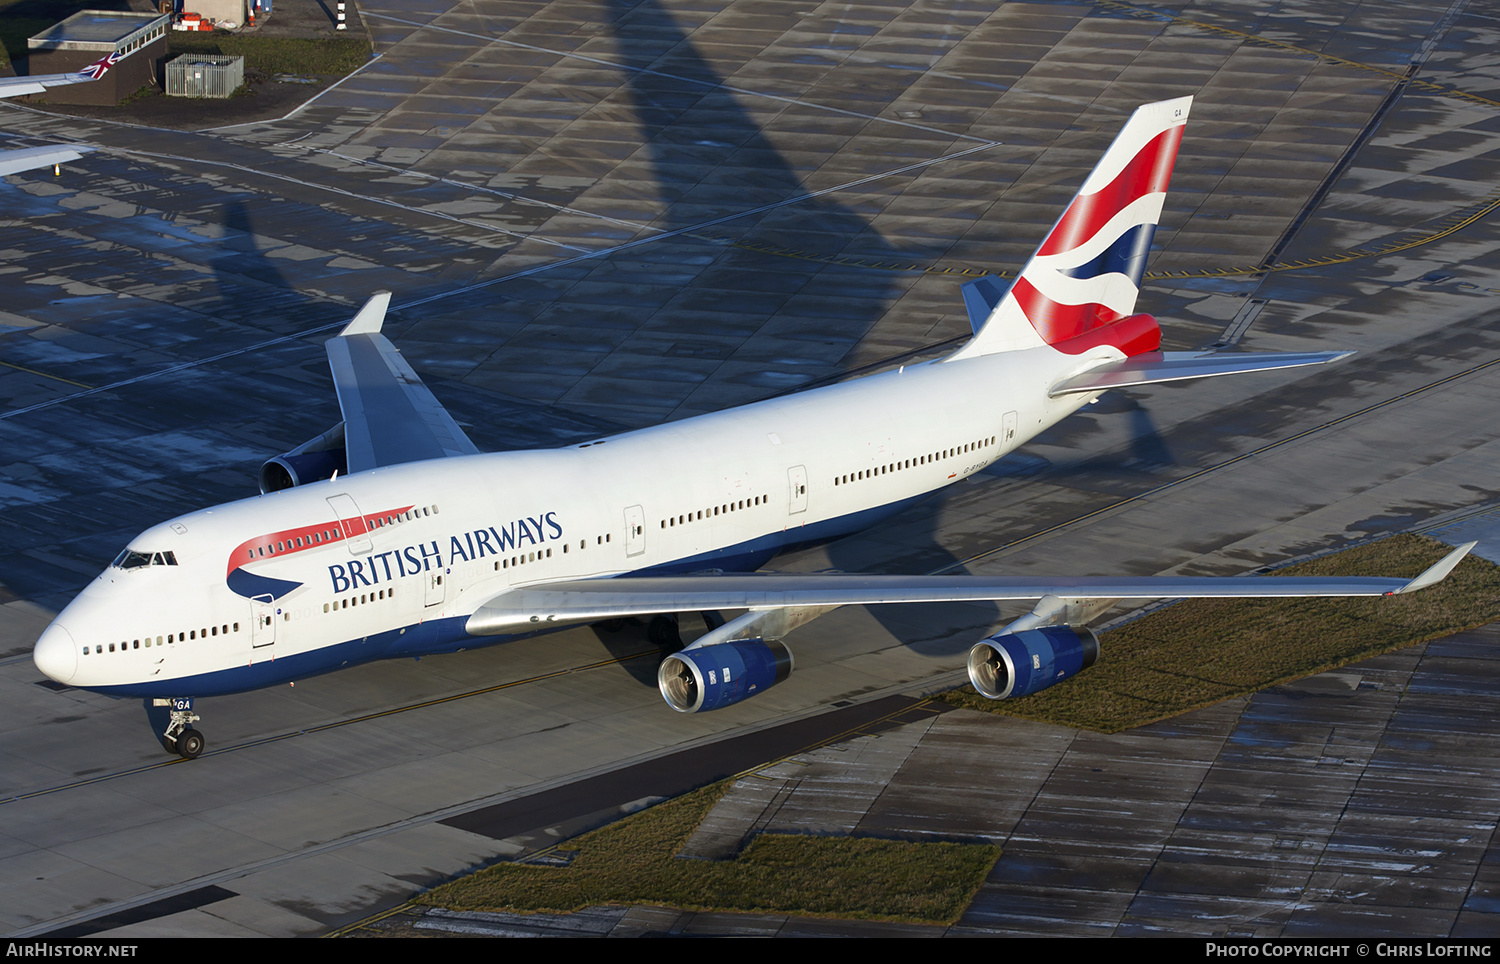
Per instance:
{"type": "Point", "coordinates": [518, 610]}
{"type": "Point", "coordinates": [981, 297]}
{"type": "Point", "coordinates": [1154, 367]}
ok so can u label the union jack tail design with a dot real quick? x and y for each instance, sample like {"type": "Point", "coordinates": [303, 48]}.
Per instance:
{"type": "Point", "coordinates": [1079, 289]}
{"type": "Point", "coordinates": [99, 67]}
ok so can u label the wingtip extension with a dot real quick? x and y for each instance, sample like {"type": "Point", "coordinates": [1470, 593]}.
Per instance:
{"type": "Point", "coordinates": [370, 317]}
{"type": "Point", "coordinates": [1438, 571]}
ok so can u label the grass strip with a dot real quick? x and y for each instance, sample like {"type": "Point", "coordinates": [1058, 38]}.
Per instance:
{"type": "Point", "coordinates": [1200, 651]}
{"type": "Point", "coordinates": [278, 55]}
{"type": "Point", "coordinates": [632, 861]}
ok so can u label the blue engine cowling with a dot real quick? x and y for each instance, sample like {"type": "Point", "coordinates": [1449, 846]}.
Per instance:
{"type": "Point", "coordinates": [286, 471]}
{"type": "Point", "coordinates": [713, 677]}
{"type": "Point", "coordinates": [312, 461]}
{"type": "Point", "coordinates": [1019, 664]}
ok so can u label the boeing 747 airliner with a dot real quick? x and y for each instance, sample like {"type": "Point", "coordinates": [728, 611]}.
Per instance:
{"type": "Point", "coordinates": [392, 535]}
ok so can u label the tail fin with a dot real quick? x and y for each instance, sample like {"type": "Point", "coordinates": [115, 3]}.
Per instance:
{"type": "Point", "coordinates": [1079, 289]}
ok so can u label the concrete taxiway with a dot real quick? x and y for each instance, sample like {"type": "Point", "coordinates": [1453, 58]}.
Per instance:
{"type": "Point", "coordinates": [605, 215]}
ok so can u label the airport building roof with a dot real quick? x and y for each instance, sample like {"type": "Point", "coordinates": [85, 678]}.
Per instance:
{"type": "Point", "coordinates": [102, 30]}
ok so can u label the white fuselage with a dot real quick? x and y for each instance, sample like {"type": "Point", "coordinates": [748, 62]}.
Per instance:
{"type": "Point", "coordinates": [393, 561]}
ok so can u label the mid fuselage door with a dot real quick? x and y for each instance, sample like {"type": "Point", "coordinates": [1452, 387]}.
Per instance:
{"type": "Point", "coordinates": [635, 530]}
{"type": "Point", "coordinates": [262, 627]}
{"type": "Point", "coordinates": [437, 586]}
{"type": "Point", "coordinates": [796, 478]}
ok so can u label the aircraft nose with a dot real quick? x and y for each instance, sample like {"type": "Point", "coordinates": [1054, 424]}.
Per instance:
{"type": "Point", "coordinates": [55, 653]}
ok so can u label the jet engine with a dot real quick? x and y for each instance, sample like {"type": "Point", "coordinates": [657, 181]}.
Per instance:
{"type": "Point", "coordinates": [1008, 665]}
{"type": "Point", "coordinates": [712, 677]}
{"type": "Point", "coordinates": [312, 461]}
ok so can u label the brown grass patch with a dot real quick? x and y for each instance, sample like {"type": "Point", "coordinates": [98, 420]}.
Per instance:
{"type": "Point", "coordinates": [633, 861]}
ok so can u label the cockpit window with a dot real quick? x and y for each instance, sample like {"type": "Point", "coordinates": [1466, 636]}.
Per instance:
{"type": "Point", "coordinates": [130, 559]}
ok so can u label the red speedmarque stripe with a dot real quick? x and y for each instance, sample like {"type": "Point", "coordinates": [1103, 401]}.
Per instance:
{"type": "Point", "coordinates": [1147, 173]}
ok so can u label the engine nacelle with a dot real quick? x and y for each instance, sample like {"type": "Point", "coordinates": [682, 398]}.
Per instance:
{"type": "Point", "coordinates": [1019, 664]}
{"type": "Point", "coordinates": [312, 461]}
{"type": "Point", "coordinates": [713, 677]}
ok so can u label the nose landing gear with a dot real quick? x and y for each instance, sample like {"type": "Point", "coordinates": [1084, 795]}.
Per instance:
{"type": "Point", "coordinates": [172, 719]}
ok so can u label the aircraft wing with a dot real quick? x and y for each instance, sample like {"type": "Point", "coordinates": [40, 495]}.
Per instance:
{"type": "Point", "coordinates": [390, 417]}
{"type": "Point", "coordinates": [1153, 367]}
{"type": "Point", "coordinates": [526, 608]}
{"type": "Point", "coordinates": [20, 86]}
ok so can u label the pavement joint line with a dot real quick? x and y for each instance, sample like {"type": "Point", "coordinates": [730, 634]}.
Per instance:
{"type": "Point", "coordinates": [331, 725]}
{"type": "Point", "coordinates": [374, 58]}
{"type": "Point", "coordinates": [1410, 238]}
{"type": "Point", "coordinates": [345, 192]}
{"type": "Point", "coordinates": [602, 62]}
{"type": "Point", "coordinates": [465, 289]}
{"type": "Point", "coordinates": [1326, 849]}
{"type": "Point", "coordinates": [1430, 86]}
{"type": "Point", "coordinates": [484, 189]}
{"type": "Point", "coordinates": [692, 230]}
{"type": "Point", "coordinates": [1486, 206]}
{"type": "Point", "coordinates": [1166, 847]}
{"type": "Point", "coordinates": [33, 371]}
{"type": "Point", "coordinates": [1142, 12]}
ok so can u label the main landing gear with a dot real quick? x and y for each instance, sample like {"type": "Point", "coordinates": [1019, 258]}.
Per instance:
{"type": "Point", "coordinates": [663, 632]}
{"type": "Point", "coordinates": [171, 720]}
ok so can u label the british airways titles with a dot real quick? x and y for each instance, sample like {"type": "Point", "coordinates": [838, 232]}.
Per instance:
{"type": "Point", "coordinates": [465, 547]}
